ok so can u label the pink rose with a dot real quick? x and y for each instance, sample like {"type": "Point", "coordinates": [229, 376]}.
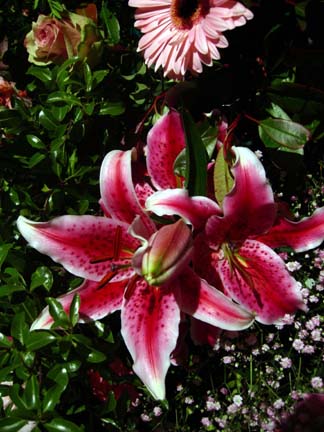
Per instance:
{"type": "Point", "coordinates": [53, 41]}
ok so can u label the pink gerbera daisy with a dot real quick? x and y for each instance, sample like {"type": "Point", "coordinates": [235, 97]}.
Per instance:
{"type": "Point", "coordinates": [180, 35]}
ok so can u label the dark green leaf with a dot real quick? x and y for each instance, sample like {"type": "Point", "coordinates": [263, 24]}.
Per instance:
{"type": "Point", "coordinates": [87, 77]}
{"type": "Point", "coordinates": [111, 24]}
{"type": "Point", "coordinates": [35, 142]}
{"type": "Point", "coordinates": [61, 96]}
{"type": "Point", "coordinates": [223, 180]}
{"type": "Point", "coordinates": [74, 310]}
{"type": "Point", "coordinates": [112, 108]}
{"type": "Point", "coordinates": [47, 120]}
{"type": "Point", "coordinates": [42, 277]}
{"type": "Point", "coordinates": [11, 424]}
{"type": "Point", "coordinates": [42, 73]}
{"type": "Point", "coordinates": [4, 341]}
{"type": "Point", "coordinates": [19, 328]}
{"type": "Point", "coordinates": [31, 393]}
{"type": "Point", "coordinates": [9, 118]}
{"type": "Point", "coordinates": [196, 175]}
{"type": "Point", "coordinates": [96, 357]}
{"type": "Point", "coordinates": [62, 425]}
{"type": "Point", "coordinates": [35, 160]}
{"type": "Point", "coordinates": [52, 398]}
{"type": "Point", "coordinates": [38, 339]}
{"type": "Point", "coordinates": [4, 249]}
{"type": "Point", "coordinates": [59, 374]}
{"type": "Point", "coordinates": [98, 76]}
{"type": "Point", "coordinates": [283, 133]}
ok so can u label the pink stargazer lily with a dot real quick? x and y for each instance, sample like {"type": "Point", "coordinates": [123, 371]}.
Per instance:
{"type": "Point", "coordinates": [233, 243]}
{"type": "Point", "coordinates": [131, 265]}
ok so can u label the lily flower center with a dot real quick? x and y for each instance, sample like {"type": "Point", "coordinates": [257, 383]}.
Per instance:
{"type": "Point", "coordinates": [186, 13]}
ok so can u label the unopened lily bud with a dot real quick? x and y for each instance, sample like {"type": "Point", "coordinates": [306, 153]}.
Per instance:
{"type": "Point", "coordinates": [169, 250]}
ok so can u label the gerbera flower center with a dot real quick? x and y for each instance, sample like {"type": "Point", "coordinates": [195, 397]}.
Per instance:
{"type": "Point", "coordinates": [185, 13]}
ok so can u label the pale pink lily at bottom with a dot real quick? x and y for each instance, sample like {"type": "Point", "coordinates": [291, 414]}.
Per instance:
{"type": "Point", "coordinates": [234, 249]}
{"type": "Point", "coordinates": [133, 266]}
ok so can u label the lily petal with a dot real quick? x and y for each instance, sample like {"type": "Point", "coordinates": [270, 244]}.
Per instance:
{"type": "Point", "coordinates": [85, 245]}
{"type": "Point", "coordinates": [249, 208]}
{"type": "Point", "coordinates": [202, 333]}
{"type": "Point", "coordinates": [204, 302]}
{"type": "Point", "coordinates": [165, 141]}
{"type": "Point", "coordinates": [96, 301]}
{"type": "Point", "coordinates": [194, 210]}
{"type": "Point", "coordinates": [117, 191]}
{"type": "Point", "coordinates": [150, 326]}
{"type": "Point", "coordinates": [260, 282]}
{"type": "Point", "coordinates": [300, 236]}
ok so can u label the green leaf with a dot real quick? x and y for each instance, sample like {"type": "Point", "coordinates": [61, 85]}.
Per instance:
{"type": "Point", "coordinates": [47, 120]}
{"type": "Point", "coordinates": [42, 276]}
{"type": "Point", "coordinates": [44, 74]}
{"type": "Point", "coordinates": [9, 118]}
{"type": "Point", "coordinates": [35, 160]}
{"type": "Point", "coordinates": [96, 357]}
{"type": "Point", "coordinates": [52, 398]}
{"type": "Point", "coordinates": [111, 24]}
{"type": "Point", "coordinates": [57, 312]}
{"type": "Point", "coordinates": [283, 133]}
{"type": "Point", "coordinates": [4, 341]}
{"type": "Point", "coordinates": [31, 393]}
{"type": "Point", "coordinates": [98, 76]}
{"type": "Point", "coordinates": [180, 164]}
{"type": "Point", "coordinates": [35, 142]}
{"type": "Point", "coordinates": [61, 425]}
{"type": "Point", "coordinates": [74, 310]}
{"type": "Point", "coordinates": [223, 180]}
{"type": "Point", "coordinates": [196, 165]}
{"type": "Point", "coordinates": [12, 424]}
{"type": "Point", "coordinates": [59, 112]}
{"type": "Point", "coordinates": [277, 112]}
{"type": "Point", "coordinates": [16, 398]}
{"type": "Point", "coordinates": [59, 374]}
{"type": "Point", "coordinates": [87, 77]}
{"type": "Point", "coordinates": [38, 339]}
{"type": "Point", "coordinates": [61, 96]}
{"type": "Point", "coordinates": [63, 74]}
{"type": "Point", "coordinates": [19, 328]}
{"type": "Point", "coordinates": [112, 108]}
{"type": "Point", "coordinates": [4, 249]}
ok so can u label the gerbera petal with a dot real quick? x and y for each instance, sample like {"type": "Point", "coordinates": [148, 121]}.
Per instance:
{"type": "Point", "coordinates": [300, 236]}
{"type": "Point", "coordinates": [249, 208]}
{"type": "Point", "coordinates": [259, 281]}
{"type": "Point", "coordinates": [204, 302]}
{"type": "Point", "coordinates": [117, 189]}
{"type": "Point", "coordinates": [164, 143]}
{"type": "Point", "coordinates": [164, 25]}
{"type": "Point", "coordinates": [195, 210]}
{"type": "Point", "coordinates": [85, 245]}
{"type": "Point", "coordinates": [96, 301]}
{"type": "Point", "coordinates": [150, 328]}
